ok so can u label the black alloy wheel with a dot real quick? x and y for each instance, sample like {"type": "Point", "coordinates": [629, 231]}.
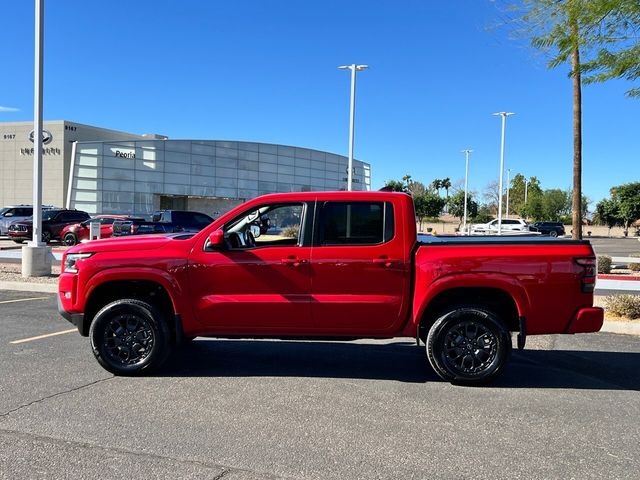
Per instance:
{"type": "Point", "coordinates": [46, 236]}
{"type": "Point", "coordinates": [553, 233]}
{"type": "Point", "coordinates": [468, 345]}
{"type": "Point", "coordinates": [129, 337]}
{"type": "Point", "coordinates": [70, 239]}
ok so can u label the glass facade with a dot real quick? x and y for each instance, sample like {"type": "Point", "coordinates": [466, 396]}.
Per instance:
{"type": "Point", "coordinates": [131, 176]}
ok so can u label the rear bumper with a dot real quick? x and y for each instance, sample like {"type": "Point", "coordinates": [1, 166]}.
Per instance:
{"type": "Point", "coordinates": [587, 320]}
{"type": "Point", "coordinates": [76, 318]}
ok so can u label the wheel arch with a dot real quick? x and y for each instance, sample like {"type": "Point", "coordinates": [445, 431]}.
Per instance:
{"type": "Point", "coordinates": [494, 299]}
{"type": "Point", "coordinates": [149, 291]}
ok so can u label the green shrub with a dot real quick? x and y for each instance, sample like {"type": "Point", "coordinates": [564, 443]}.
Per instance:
{"type": "Point", "coordinates": [634, 267]}
{"type": "Point", "coordinates": [604, 264]}
{"type": "Point", "coordinates": [627, 306]}
{"type": "Point", "coordinates": [291, 231]}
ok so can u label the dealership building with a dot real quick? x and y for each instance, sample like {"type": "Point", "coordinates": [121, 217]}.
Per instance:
{"type": "Point", "coordinates": [106, 171]}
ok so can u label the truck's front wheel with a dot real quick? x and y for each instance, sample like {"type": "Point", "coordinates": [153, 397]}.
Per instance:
{"type": "Point", "coordinates": [129, 337]}
{"type": "Point", "coordinates": [468, 345]}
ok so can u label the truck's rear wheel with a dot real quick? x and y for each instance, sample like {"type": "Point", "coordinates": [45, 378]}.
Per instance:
{"type": "Point", "coordinates": [468, 345]}
{"type": "Point", "coordinates": [129, 337]}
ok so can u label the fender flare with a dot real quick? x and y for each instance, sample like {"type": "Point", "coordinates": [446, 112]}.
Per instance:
{"type": "Point", "coordinates": [498, 281]}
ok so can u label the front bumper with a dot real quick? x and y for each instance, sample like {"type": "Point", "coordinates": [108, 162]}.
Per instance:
{"type": "Point", "coordinates": [76, 318]}
{"type": "Point", "coordinates": [587, 320]}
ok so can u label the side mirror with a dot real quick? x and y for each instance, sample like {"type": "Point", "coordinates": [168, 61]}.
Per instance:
{"type": "Point", "coordinates": [216, 239]}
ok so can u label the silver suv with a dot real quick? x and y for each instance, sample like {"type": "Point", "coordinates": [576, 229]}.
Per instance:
{"type": "Point", "coordinates": [14, 213]}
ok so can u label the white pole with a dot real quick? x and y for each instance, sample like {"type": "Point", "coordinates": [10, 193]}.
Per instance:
{"type": "Point", "coordinates": [508, 183]}
{"type": "Point", "coordinates": [352, 119]}
{"type": "Point", "coordinates": [466, 190]}
{"type": "Point", "coordinates": [36, 239]}
{"type": "Point", "coordinates": [504, 121]}
{"type": "Point", "coordinates": [526, 186]}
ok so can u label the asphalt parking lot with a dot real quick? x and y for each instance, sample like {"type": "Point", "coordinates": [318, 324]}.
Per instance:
{"type": "Point", "coordinates": [567, 407]}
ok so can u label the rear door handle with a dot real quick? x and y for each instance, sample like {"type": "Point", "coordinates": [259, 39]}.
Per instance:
{"type": "Point", "coordinates": [384, 261]}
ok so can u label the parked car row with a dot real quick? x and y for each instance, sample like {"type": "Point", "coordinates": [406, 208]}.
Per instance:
{"type": "Point", "coordinates": [553, 229]}
{"type": "Point", "coordinates": [71, 226]}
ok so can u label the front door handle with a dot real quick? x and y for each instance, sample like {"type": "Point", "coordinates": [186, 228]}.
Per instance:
{"type": "Point", "coordinates": [293, 261]}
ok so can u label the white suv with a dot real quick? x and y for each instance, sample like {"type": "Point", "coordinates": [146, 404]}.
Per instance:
{"type": "Point", "coordinates": [508, 225]}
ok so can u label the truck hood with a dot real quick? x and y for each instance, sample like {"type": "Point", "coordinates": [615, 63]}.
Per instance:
{"type": "Point", "coordinates": [123, 244]}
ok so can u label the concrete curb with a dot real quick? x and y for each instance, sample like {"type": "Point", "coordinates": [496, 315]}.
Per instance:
{"type": "Point", "coordinates": [29, 287]}
{"type": "Point", "coordinates": [626, 328]}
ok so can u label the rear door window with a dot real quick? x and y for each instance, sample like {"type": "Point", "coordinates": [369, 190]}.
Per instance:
{"type": "Point", "coordinates": [355, 223]}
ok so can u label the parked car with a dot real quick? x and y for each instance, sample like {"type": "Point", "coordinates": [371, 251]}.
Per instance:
{"type": "Point", "coordinates": [508, 224]}
{"type": "Point", "coordinates": [15, 213]}
{"type": "Point", "coordinates": [163, 221]}
{"type": "Point", "coordinates": [77, 232]}
{"type": "Point", "coordinates": [182, 220]}
{"type": "Point", "coordinates": [53, 221]}
{"type": "Point", "coordinates": [139, 226]}
{"type": "Point", "coordinates": [553, 229]}
{"type": "Point", "coordinates": [353, 269]}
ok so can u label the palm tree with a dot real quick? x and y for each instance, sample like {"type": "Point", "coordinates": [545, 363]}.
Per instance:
{"type": "Point", "coordinates": [446, 184]}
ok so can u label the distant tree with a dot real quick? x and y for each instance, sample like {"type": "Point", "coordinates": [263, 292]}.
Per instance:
{"type": "Point", "coordinates": [436, 185]}
{"type": "Point", "coordinates": [628, 198]}
{"type": "Point", "coordinates": [456, 206]}
{"type": "Point", "coordinates": [519, 185]}
{"type": "Point", "coordinates": [446, 184]}
{"type": "Point", "coordinates": [608, 213]}
{"type": "Point", "coordinates": [428, 205]}
{"type": "Point", "coordinates": [597, 37]}
{"type": "Point", "coordinates": [395, 185]}
{"type": "Point", "coordinates": [555, 204]}
{"type": "Point", "coordinates": [491, 194]}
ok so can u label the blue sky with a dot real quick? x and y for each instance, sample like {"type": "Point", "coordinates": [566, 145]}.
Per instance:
{"type": "Point", "coordinates": [265, 70]}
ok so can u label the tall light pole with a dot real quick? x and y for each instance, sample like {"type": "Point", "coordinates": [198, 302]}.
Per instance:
{"type": "Point", "coordinates": [508, 183]}
{"type": "Point", "coordinates": [35, 260]}
{"type": "Point", "coordinates": [504, 116]}
{"type": "Point", "coordinates": [466, 152]}
{"type": "Point", "coordinates": [352, 116]}
{"type": "Point", "coordinates": [526, 187]}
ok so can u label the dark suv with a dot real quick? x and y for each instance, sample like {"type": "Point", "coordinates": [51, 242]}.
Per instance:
{"type": "Point", "coordinates": [53, 221]}
{"type": "Point", "coordinates": [553, 229]}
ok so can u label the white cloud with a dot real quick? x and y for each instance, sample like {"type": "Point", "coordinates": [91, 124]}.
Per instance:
{"type": "Point", "coordinates": [8, 109]}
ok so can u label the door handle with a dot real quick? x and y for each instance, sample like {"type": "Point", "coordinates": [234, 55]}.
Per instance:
{"type": "Point", "coordinates": [293, 261]}
{"type": "Point", "coordinates": [384, 261]}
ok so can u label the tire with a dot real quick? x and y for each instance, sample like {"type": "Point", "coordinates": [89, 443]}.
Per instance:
{"type": "Point", "coordinates": [130, 337]}
{"type": "Point", "coordinates": [553, 233]}
{"type": "Point", "coordinates": [70, 239]}
{"type": "Point", "coordinates": [20, 242]}
{"type": "Point", "coordinates": [46, 236]}
{"type": "Point", "coordinates": [468, 345]}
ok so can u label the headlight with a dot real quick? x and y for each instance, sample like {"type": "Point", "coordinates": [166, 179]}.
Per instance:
{"type": "Point", "coordinates": [71, 259]}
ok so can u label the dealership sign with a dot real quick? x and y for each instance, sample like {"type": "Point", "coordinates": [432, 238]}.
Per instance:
{"type": "Point", "coordinates": [46, 136]}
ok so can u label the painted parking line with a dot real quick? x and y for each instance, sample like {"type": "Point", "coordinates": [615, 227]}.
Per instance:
{"type": "Point", "coordinates": [24, 299]}
{"type": "Point", "coordinates": [39, 337]}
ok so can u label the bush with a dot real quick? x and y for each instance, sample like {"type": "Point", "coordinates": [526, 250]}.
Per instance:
{"type": "Point", "coordinates": [627, 306]}
{"type": "Point", "coordinates": [604, 264]}
{"type": "Point", "coordinates": [291, 231]}
{"type": "Point", "coordinates": [634, 267]}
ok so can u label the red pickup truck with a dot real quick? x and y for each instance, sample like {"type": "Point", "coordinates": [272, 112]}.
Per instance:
{"type": "Point", "coordinates": [340, 265]}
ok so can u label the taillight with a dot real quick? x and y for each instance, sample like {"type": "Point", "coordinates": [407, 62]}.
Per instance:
{"type": "Point", "coordinates": [588, 274]}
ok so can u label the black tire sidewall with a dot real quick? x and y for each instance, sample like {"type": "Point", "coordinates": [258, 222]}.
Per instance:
{"type": "Point", "coordinates": [161, 344]}
{"type": "Point", "coordinates": [70, 235]}
{"type": "Point", "coordinates": [436, 338]}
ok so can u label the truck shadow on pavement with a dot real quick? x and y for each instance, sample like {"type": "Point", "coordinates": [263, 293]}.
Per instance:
{"type": "Point", "coordinates": [400, 361]}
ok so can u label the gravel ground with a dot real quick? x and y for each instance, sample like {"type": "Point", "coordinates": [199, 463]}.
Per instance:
{"type": "Point", "coordinates": [12, 272]}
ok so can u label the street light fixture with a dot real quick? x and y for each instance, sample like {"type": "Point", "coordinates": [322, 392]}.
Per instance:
{"type": "Point", "coordinates": [466, 152]}
{"type": "Point", "coordinates": [352, 116]}
{"type": "Point", "coordinates": [504, 116]}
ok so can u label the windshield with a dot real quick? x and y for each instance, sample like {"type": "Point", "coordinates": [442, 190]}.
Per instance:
{"type": "Point", "coordinates": [2, 210]}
